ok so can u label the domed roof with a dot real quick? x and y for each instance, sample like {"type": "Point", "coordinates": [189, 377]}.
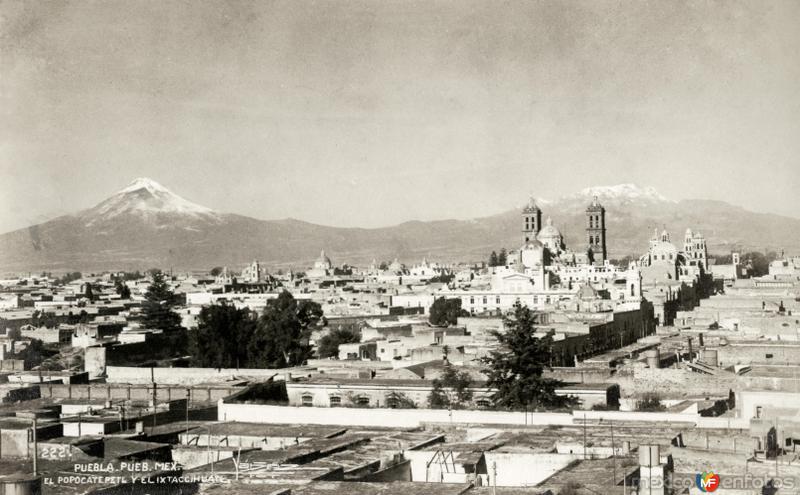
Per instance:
{"type": "Point", "coordinates": [533, 244]}
{"type": "Point", "coordinates": [548, 231]}
{"type": "Point", "coordinates": [322, 258]}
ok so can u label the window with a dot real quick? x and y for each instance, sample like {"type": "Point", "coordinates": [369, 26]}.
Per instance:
{"type": "Point", "coordinates": [336, 401]}
{"type": "Point", "coordinates": [483, 403]}
{"type": "Point", "coordinates": [484, 299]}
{"type": "Point", "coordinates": [769, 356]}
{"type": "Point", "coordinates": [472, 300]}
{"type": "Point", "coordinates": [759, 410]}
{"type": "Point", "coordinates": [362, 400]}
{"type": "Point", "coordinates": [308, 400]}
{"type": "Point", "coordinates": [497, 300]}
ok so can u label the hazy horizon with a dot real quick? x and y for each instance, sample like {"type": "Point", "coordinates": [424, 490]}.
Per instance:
{"type": "Point", "coordinates": [366, 114]}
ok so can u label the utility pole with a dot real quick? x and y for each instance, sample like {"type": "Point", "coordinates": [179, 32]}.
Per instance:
{"type": "Point", "coordinates": [613, 451]}
{"type": "Point", "coordinates": [155, 395]}
{"type": "Point", "coordinates": [777, 444]}
{"type": "Point", "coordinates": [494, 478]}
{"type": "Point", "coordinates": [188, 395]}
{"type": "Point", "coordinates": [35, 449]}
{"type": "Point", "coordinates": [584, 436]}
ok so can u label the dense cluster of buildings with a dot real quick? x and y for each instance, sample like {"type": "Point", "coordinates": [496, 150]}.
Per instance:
{"type": "Point", "coordinates": [679, 366]}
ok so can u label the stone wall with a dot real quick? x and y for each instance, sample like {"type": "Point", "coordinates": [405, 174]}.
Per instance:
{"type": "Point", "coordinates": [186, 376]}
{"type": "Point", "coordinates": [105, 391]}
{"type": "Point", "coordinates": [672, 383]}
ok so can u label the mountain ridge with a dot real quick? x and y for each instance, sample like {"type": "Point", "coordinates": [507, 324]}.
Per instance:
{"type": "Point", "coordinates": [145, 225]}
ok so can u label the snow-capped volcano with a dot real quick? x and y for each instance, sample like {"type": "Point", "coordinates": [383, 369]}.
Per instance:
{"type": "Point", "coordinates": [145, 225]}
{"type": "Point", "coordinates": [621, 193]}
{"type": "Point", "coordinates": [146, 198]}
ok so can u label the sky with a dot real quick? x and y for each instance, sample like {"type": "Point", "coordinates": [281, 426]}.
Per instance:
{"type": "Point", "coordinates": [370, 113]}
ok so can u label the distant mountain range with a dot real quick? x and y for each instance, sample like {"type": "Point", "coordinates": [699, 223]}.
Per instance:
{"type": "Point", "coordinates": [145, 225]}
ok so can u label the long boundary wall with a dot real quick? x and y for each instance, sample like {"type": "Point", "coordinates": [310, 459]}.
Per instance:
{"type": "Point", "coordinates": [411, 418]}
{"type": "Point", "coordinates": [105, 391]}
{"type": "Point", "coordinates": [188, 376]}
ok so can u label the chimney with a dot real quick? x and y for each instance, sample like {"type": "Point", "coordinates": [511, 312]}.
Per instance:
{"type": "Point", "coordinates": [653, 476]}
{"type": "Point", "coordinates": [653, 358]}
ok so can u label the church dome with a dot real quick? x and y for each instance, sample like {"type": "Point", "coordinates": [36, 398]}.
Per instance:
{"type": "Point", "coordinates": [323, 262]}
{"type": "Point", "coordinates": [533, 244]}
{"type": "Point", "coordinates": [549, 231]}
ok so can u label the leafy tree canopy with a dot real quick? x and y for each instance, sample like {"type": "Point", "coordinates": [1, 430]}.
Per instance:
{"type": "Point", "coordinates": [157, 308]}
{"type": "Point", "coordinates": [123, 290]}
{"type": "Point", "coordinates": [222, 337]}
{"type": "Point", "coordinates": [515, 370]}
{"type": "Point", "coordinates": [444, 312]}
{"type": "Point", "coordinates": [451, 390]}
{"type": "Point", "coordinates": [282, 334]}
{"type": "Point", "coordinates": [329, 344]}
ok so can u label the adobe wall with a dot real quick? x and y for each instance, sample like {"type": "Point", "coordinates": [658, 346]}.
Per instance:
{"type": "Point", "coordinates": [186, 376]}
{"type": "Point", "coordinates": [671, 383]}
{"type": "Point", "coordinates": [106, 391]}
{"type": "Point", "coordinates": [719, 442]}
{"type": "Point", "coordinates": [13, 443]}
{"type": "Point", "coordinates": [401, 418]}
{"type": "Point", "coordinates": [730, 355]}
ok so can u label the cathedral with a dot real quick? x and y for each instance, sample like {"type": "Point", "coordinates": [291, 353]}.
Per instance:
{"type": "Point", "coordinates": [543, 245]}
{"type": "Point", "coordinates": [664, 261]}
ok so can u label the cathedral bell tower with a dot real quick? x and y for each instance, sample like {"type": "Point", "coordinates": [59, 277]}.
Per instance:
{"type": "Point", "coordinates": [532, 221]}
{"type": "Point", "coordinates": [596, 232]}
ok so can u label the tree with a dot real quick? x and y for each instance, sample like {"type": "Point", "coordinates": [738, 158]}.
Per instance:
{"type": "Point", "coordinates": [758, 263]}
{"type": "Point", "coordinates": [282, 334]}
{"type": "Point", "coordinates": [343, 271]}
{"type": "Point", "coordinates": [493, 259]}
{"type": "Point", "coordinates": [33, 354]}
{"type": "Point", "coordinates": [451, 390]}
{"type": "Point", "coordinates": [157, 307]}
{"type": "Point", "coordinates": [216, 271]}
{"type": "Point", "coordinates": [329, 344]}
{"type": "Point", "coordinates": [222, 336]}
{"type": "Point", "coordinates": [444, 312]}
{"type": "Point", "coordinates": [650, 402]}
{"type": "Point", "coordinates": [82, 317]}
{"type": "Point", "coordinates": [515, 369]}
{"type": "Point", "coordinates": [383, 266]}
{"type": "Point", "coordinates": [122, 289]}
{"type": "Point", "coordinates": [399, 400]}
{"type": "Point", "coordinates": [442, 278]}
{"type": "Point", "coordinates": [502, 258]}
{"type": "Point", "coordinates": [68, 277]}
{"type": "Point", "coordinates": [88, 292]}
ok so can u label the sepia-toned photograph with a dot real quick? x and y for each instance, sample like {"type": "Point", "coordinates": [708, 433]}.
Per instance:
{"type": "Point", "coordinates": [399, 247]}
